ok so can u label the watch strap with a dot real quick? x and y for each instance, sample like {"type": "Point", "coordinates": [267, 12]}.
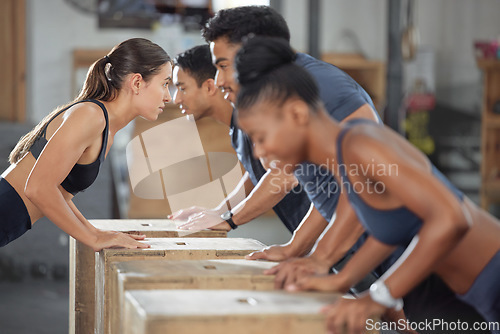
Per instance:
{"type": "Point", "coordinates": [231, 223]}
{"type": "Point", "coordinates": [381, 294]}
{"type": "Point", "coordinates": [228, 217]}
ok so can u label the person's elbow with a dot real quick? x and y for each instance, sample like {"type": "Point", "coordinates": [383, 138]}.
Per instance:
{"type": "Point", "coordinates": [456, 223]}
{"type": "Point", "coordinates": [462, 223]}
{"type": "Point", "coordinates": [35, 192]}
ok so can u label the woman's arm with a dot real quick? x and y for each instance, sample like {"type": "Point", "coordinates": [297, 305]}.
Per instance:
{"type": "Point", "coordinates": [81, 217]}
{"type": "Point", "coordinates": [337, 239]}
{"type": "Point", "coordinates": [369, 255]}
{"type": "Point", "coordinates": [81, 126]}
{"type": "Point", "coordinates": [102, 234]}
{"type": "Point", "coordinates": [412, 185]}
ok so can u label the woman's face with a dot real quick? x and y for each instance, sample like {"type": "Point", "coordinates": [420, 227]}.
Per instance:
{"type": "Point", "coordinates": [154, 94]}
{"type": "Point", "coordinates": [277, 133]}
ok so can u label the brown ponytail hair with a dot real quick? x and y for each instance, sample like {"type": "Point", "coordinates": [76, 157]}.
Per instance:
{"type": "Point", "coordinates": [104, 81]}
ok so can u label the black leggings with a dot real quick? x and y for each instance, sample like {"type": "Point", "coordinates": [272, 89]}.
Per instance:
{"type": "Point", "coordinates": [14, 217]}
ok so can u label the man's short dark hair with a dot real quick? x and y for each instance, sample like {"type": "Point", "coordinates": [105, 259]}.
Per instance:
{"type": "Point", "coordinates": [236, 23]}
{"type": "Point", "coordinates": [197, 61]}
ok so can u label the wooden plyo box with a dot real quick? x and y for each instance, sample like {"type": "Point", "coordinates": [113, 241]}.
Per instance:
{"type": "Point", "coordinates": [224, 311]}
{"type": "Point", "coordinates": [184, 274]}
{"type": "Point", "coordinates": [82, 264]}
{"type": "Point", "coordinates": [166, 249]}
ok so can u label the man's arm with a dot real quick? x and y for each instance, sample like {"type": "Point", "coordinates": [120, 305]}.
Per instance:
{"type": "Point", "coordinates": [270, 190]}
{"type": "Point", "coordinates": [338, 238]}
{"type": "Point", "coordinates": [341, 234]}
{"type": "Point", "coordinates": [243, 188]}
{"type": "Point", "coordinates": [303, 240]}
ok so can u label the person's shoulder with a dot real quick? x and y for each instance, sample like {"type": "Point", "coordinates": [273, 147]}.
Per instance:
{"type": "Point", "coordinates": [306, 60]}
{"type": "Point", "coordinates": [364, 141]}
{"type": "Point", "coordinates": [320, 70]}
{"type": "Point", "coordinates": [301, 58]}
{"type": "Point", "coordinates": [87, 115]}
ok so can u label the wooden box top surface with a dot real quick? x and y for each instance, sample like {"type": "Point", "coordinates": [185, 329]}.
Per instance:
{"type": "Point", "coordinates": [210, 303]}
{"type": "Point", "coordinates": [156, 269]}
{"type": "Point", "coordinates": [190, 244]}
{"type": "Point", "coordinates": [140, 225]}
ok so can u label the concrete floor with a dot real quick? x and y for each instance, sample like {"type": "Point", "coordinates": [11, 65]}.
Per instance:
{"type": "Point", "coordinates": [34, 284]}
{"type": "Point", "coordinates": [34, 307]}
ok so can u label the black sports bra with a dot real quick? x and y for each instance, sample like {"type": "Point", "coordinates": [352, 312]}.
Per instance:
{"type": "Point", "coordinates": [81, 176]}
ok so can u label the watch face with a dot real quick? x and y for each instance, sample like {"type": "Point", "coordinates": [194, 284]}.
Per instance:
{"type": "Point", "coordinates": [226, 215]}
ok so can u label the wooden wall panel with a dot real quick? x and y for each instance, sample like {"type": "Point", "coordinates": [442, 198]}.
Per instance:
{"type": "Point", "coordinates": [13, 60]}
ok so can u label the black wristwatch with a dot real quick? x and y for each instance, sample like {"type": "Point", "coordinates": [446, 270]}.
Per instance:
{"type": "Point", "coordinates": [228, 217]}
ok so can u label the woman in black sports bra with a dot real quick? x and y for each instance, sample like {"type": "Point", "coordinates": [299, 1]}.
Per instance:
{"type": "Point", "coordinates": [62, 155]}
{"type": "Point", "coordinates": [398, 196]}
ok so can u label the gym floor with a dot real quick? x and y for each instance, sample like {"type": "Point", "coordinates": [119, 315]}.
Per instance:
{"type": "Point", "coordinates": [34, 285]}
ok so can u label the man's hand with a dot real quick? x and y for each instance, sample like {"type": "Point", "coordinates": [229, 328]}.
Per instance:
{"type": "Point", "coordinates": [185, 213]}
{"type": "Point", "coordinates": [272, 253]}
{"type": "Point", "coordinates": [288, 272]}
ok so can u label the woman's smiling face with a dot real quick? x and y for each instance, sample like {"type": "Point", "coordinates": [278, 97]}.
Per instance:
{"type": "Point", "coordinates": [278, 134]}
